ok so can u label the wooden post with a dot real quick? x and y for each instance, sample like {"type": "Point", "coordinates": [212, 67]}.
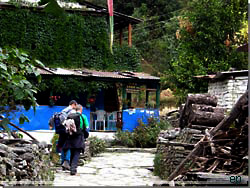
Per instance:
{"type": "Point", "coordinates": [124, 96]}
{"type": "Point", "coordinates": [147, 95]}
{"type": "Point", "coordinates": [129, 35]}
{"type": "Point", "coordinates": [121, 33]}
{"type": "Point", "coordinates": [158, 96]}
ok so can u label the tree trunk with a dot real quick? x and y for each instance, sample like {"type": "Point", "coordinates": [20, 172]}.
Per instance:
{"type": "Point", "coordinates": [199, 107]}
{"type": "Point", "coordinates": [206, 118]}
{"type": "Point", "coordinates": [202, 99]}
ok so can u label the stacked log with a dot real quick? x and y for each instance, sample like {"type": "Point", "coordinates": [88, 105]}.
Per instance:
{"type": "Point", "coordinates": [201, 110]}
{"type": "Point", "coordinates": [220, 143]}
{"type": "Point", "coordinates": [25, 163]}
{"type": "Point", "coordinates": [172, 117]}
{"type": "Point", "coordinates": [223, 149]}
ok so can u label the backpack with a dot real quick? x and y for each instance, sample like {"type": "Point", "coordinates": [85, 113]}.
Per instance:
{"type": "Point", "coordinates": [59, 118]}
{"type": "Point", "coordinates": [79, 129]}
{"type": "Point", "coordinates": [84, 128]}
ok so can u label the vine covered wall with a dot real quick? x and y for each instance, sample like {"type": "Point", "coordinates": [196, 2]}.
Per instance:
{"type": "Point", "coordinates": [73, 41]}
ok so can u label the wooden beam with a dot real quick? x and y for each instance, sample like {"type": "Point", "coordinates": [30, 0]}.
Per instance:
{"type": "Point", "coordinates": [223, 125]}
{"type": "Point", "coordinates": [158, 96]}
{"type": "Point", "coordinates": [147, 95]}
{"type": "Point", "coordinates": [129, 34]}
{"type": "Point", "coordinates": [124, 96]}
{"type": "Point", "coordinates": [121, 33]}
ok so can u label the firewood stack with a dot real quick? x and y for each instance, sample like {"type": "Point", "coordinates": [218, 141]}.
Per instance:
{"type": "Point", "coordinates": [223, 149]}
{"type": "Point", "coordinates": [200, 112]}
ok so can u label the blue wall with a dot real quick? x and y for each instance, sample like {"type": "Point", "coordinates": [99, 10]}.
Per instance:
{"type": "Point", "coordinates": [39, 119]}
{"type": "Point", "coordinates": [130, 117]}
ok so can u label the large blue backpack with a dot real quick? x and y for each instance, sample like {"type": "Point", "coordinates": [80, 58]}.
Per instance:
{"type": "Point", "coordinates": [59, 118]}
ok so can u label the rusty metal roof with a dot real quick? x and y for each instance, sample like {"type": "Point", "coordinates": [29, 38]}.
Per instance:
{"type": "Point", "coordinates": [95, 73]}
{"type": "Point", "coordinates": [223, 75]}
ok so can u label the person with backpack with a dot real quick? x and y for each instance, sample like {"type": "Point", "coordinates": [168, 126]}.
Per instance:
{"type": "Point", "coordinates": [76, 137]}
{"type": "Point", "coordinates": [57, 121]}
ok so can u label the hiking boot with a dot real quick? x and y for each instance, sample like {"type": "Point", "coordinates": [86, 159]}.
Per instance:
{"type": "Point", "coordinates": [65, 165]}
{"type": "Point", "coordinates": [73, 172]}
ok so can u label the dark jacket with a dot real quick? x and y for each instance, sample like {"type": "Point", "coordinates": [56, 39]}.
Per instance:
{"type": "Point", "coordinates": [76, 140]}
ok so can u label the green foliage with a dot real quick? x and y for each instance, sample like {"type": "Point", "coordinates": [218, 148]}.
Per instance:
{"type": "Point", "coordinates": [144, 136]}
{"type": "Point", "coordinates": [207, 42]}
{"type": "Point", "coordinates": [64, 85]}
{"type": "Point", "coordinates": [123, 139]}
{"type": "Point", "coordinates": [159, 167]}
{"type": "Point", "coordinates": [53, 155]}
{"type": "Point", "coordinates": [15, 67]}
{"type": "Point", "coordinates": [96, 145]}
{"type": "Point", "coordinates": [155, 37]}
{"type": "Point", "coordinates": [71, 41]}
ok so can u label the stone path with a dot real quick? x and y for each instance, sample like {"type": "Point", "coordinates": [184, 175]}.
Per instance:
{"type": "Point", "coordinates": [112, 169]}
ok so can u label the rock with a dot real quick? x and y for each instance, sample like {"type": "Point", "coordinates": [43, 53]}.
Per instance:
{"type": "Point", "coordinates": [18, 159]}
{"type": "Point", "coordinates": [42, 145]}
{"type": "Point", "coordinates": [170, 134]}
{"type": "Point", "coordinates": [19, 151]}
{"type": "Point", "coordinates": [24, 163]}
{"type": "Point", "coordinates": [12, 155]}
{"type": "Point", "coordinates": [9, 163]}
{"type": "Point", "coordinates": [28, 157]}
{"type": "Point", "coordinates": [5, 147]}
{"type": "Point", "coordinates": [34, 173]}
{"type": "Point", "coordinates": [3, 170]}
{"type": "Point", "coordinates": [3, 153]}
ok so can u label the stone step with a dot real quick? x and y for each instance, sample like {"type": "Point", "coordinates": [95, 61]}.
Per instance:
{"type": "Point", "coordinates": [128, 150]}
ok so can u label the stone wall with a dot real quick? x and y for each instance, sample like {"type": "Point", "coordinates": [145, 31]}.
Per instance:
{"type": "Point", "coordinates": [172, 147]}
{"type": "Point", "coordinates": [228, 91]}
{"type": "Point", "coordinates": [25, 163]}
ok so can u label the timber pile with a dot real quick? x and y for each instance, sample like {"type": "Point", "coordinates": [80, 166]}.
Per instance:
{"type": "Point", "coordinates": [25, 162]}
{"type": "Point", "coordinates": [200, 112]}
{"type": "Point", "coordinates": [220, 149]}
{"type": "Point", "coordinates": [174, 145]}
{"type": "Point", "coordinates": [172, 117]}
{"type": "Point", "coordinates": [223, 149]}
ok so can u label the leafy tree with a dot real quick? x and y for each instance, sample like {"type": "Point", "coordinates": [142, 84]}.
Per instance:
{"type": "Point", "coordinates": [15, 67]}
{"type": "Point", "coordinates": [208, 38]}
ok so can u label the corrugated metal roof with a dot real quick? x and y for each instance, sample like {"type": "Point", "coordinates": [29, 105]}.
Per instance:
{"type": "Point", "coordinates": [95, 73]}
{"type": "Point", "coordinates": [225, 74]}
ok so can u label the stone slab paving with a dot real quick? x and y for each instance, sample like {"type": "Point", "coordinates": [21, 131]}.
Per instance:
{"type": "Point", "coordinates": [112, 169]}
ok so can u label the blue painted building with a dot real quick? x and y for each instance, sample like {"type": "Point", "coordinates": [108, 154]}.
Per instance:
{"type": "Point", "coordinates": [133, 97]}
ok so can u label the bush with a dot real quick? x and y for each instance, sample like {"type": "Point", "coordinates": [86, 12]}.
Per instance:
{"type": "Point", "coordinates": [96, 145]}
{"type": "Point", "coordinates": [123, 139]}
{"type": "Point", "coordinates": [54, 156]}
{"type": "Point", "coordinates": [144, 135]}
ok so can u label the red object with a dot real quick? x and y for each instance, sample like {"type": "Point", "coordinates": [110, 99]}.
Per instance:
{"type": "Point", "coordinates": [91, 100]}
{"type": "Point", "coordinates": [110, 7]}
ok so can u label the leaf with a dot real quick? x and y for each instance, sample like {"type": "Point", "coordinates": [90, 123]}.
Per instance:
{"type": "Point", "coordinates": [53, 8]}
{"type": "Point", "coordinates": [39, 63]}
{"type": "Point", "coordinates": [23, 59]}
{"type": "Point", "coordinates": [4, 124]}
{"type": "Point", "coordinates": [43, 2]}
{"type": "Point", "coordinates": [19, 94]}
{"type": "Point", "coordinates": [23, 119]}
{"type": "Point", "coordinates": [39, 78]}
{"type": "Point", "coordinates": [3, 66]}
